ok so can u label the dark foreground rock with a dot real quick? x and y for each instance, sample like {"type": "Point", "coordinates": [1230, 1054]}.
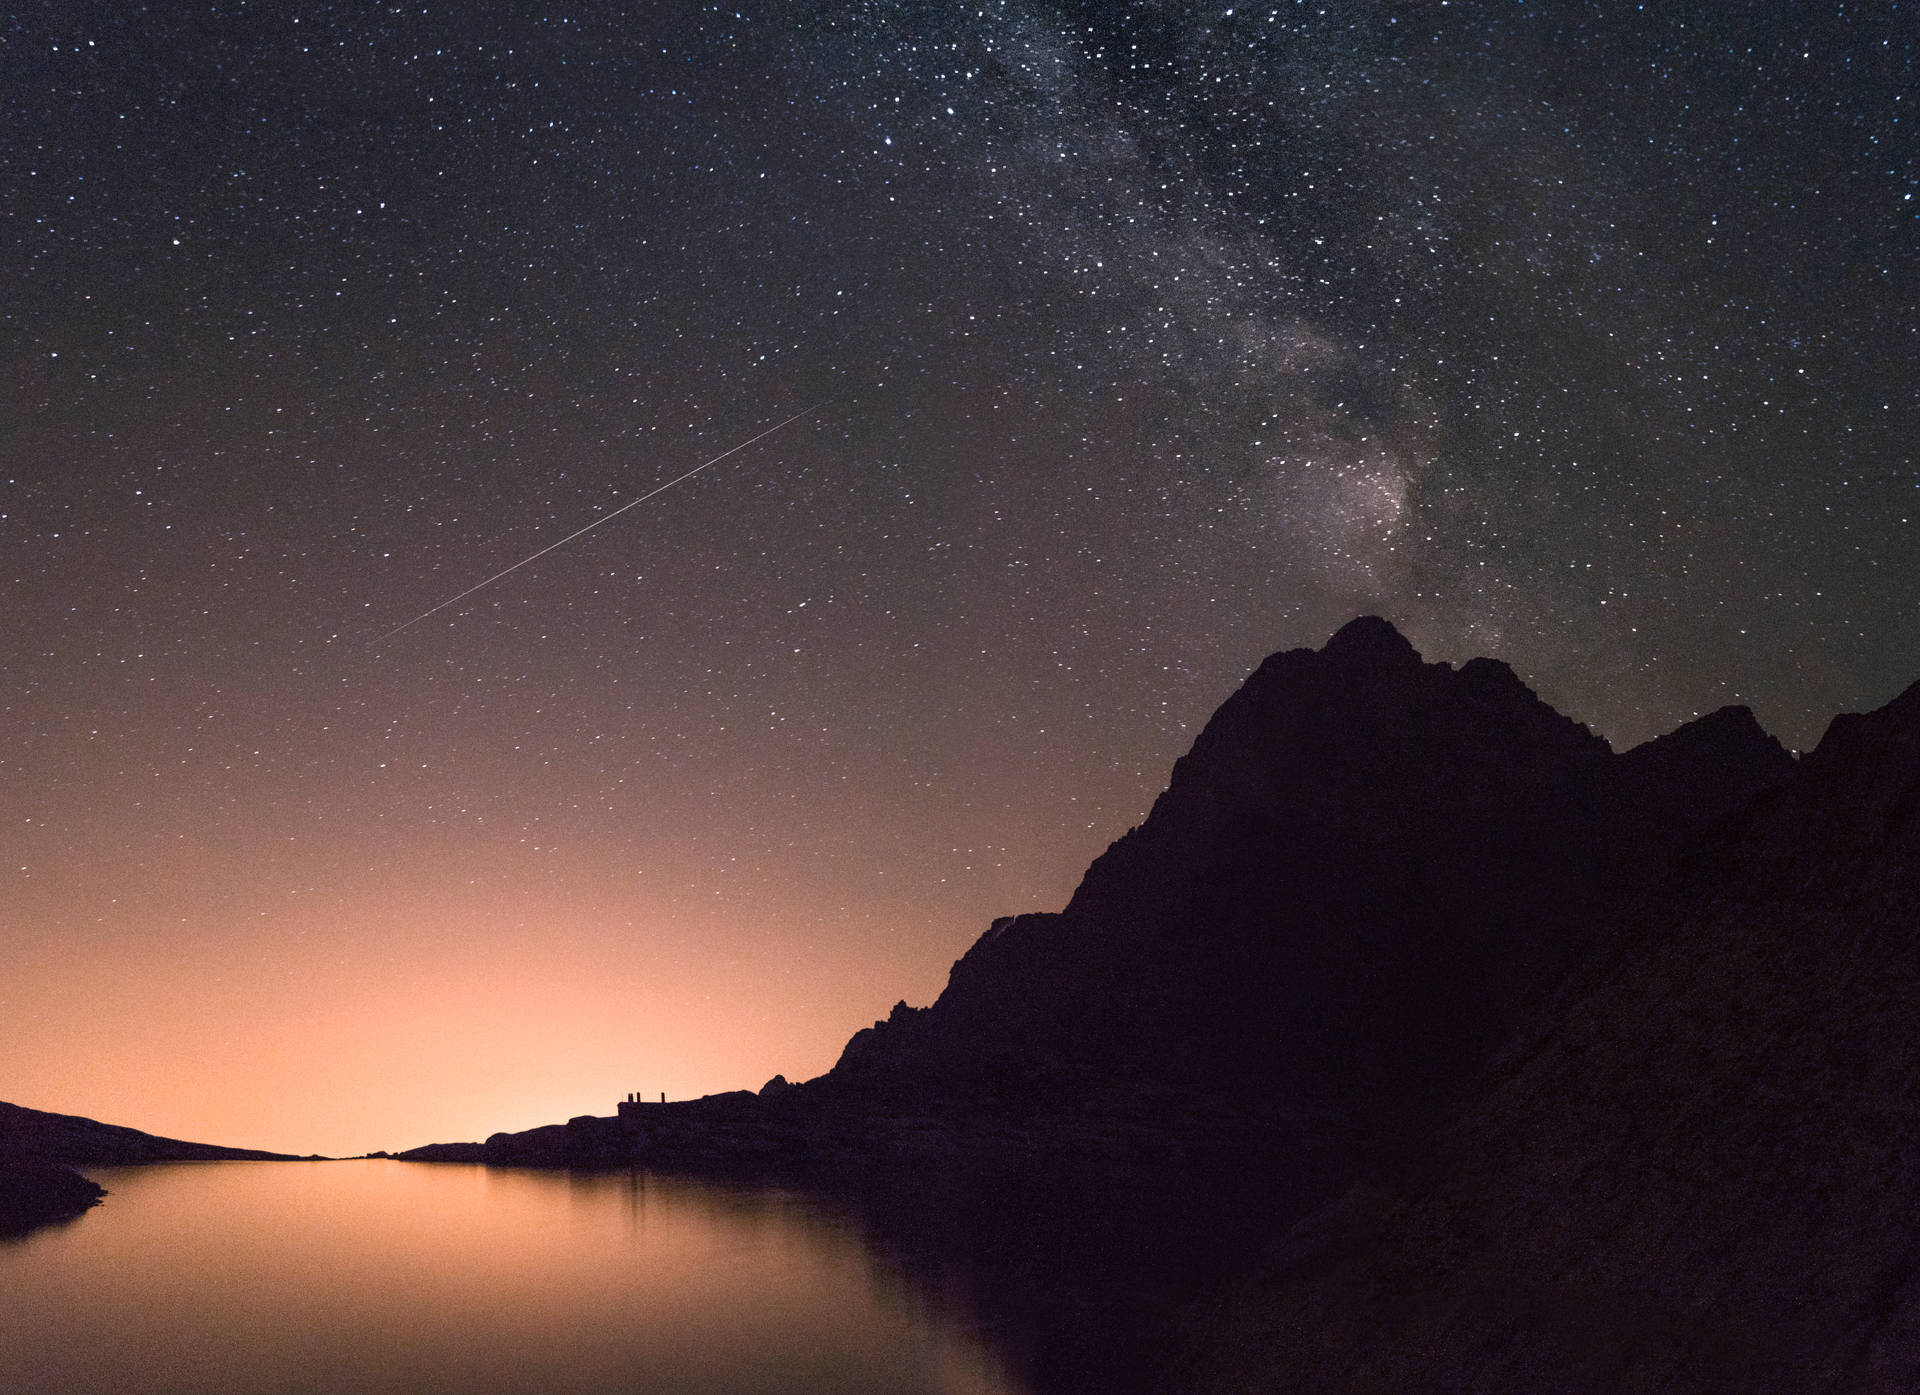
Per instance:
{"type": "Point", "coordinates": [1699, 1174]}
{"type": "Point", "coordinates": [34, 1194]}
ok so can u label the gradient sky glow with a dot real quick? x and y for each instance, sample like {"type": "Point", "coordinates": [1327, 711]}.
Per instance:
{"type": "Point", "coordinates": [1148, 339]}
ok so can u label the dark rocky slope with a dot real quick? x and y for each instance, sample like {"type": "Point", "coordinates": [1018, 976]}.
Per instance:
{"type": "Point", "coordinates": [1698, 1175]}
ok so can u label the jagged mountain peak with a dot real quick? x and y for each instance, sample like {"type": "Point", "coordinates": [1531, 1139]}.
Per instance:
{"type": "Point", "coordinates": [1363, 870]}
{"type": "Point", "coordinates": [1854, 801]}
{"type": "Point", "coordinates": [1726, 743]}
{"type": "Point", "coordinates": [1371, 637]}
{"type": "Point", "coordinates": [1369, 682]}
{"type": "Point", "coordinates": [1361, 717]}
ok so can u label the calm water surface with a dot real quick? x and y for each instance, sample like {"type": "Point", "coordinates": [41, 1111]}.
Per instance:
{"type": "Point", "coordinates": [357, 1277]}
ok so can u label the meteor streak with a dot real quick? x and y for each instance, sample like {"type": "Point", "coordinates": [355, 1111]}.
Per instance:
{"type": "Point", "coordinates": [631, 503]}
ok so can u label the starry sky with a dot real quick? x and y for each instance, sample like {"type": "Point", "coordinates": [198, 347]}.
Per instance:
{"type": "Point", "coordinates": [1140, 340]}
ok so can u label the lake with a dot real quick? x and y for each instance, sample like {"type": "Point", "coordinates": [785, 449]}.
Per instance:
{"type": "Point", "coordinates": [349, 1278]}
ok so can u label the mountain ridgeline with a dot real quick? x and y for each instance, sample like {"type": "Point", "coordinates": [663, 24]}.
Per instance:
{"type": "Point", "coordinates": [1364, 874]}
{"type": "Point", "coordinates": [1697, 1174]}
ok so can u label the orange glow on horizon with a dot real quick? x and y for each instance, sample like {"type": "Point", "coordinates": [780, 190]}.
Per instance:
{"type": "Point", "coordinates": [452, 996]}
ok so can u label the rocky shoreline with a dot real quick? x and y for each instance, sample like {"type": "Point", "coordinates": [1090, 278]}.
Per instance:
{"type": "Point", "coordinates": [36, 1193]}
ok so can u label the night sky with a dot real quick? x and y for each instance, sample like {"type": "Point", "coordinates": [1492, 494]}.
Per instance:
{"type": "Point", "coordinates": [1142, 340]}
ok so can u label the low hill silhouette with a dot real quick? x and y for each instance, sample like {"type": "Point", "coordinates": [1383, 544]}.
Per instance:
{"type": "Point", "coordinates": [38, 1151]}
{"type": "Point", "coordinates": [33, 1134]}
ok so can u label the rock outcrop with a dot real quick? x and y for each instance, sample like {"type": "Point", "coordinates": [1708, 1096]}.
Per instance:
{"type": "Point", "coordinates": [34, 1194]}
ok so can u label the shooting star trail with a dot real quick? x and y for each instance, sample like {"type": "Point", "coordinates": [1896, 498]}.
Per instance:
{"type": "Point", "coordinates": [631, 503]}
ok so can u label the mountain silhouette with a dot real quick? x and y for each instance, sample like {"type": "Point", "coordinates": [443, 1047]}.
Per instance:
{"type": "Point", "coordinates": [1415, 1040]}
{"type": "Point", "coordinates": [1697, 1174]}
{"type": "Point", "coordinates": [1363, 875]}
{"type": "Point", "coordinates": [35, 1194]}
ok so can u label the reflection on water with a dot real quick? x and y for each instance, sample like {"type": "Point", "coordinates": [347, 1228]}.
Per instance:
{"type": "Point", "coordinates": [360, 1277]}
